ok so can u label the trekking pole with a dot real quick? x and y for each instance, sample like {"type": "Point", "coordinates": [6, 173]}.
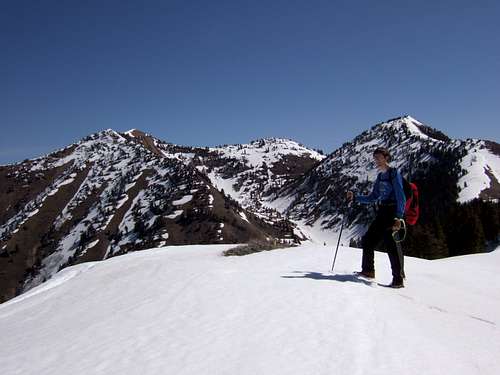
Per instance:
{"type": "Point", "coordinates": [340, 234]}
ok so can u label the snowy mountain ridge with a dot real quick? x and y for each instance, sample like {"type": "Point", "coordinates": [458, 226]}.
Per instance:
{"type": "Point", "coordinates": [115, 192]}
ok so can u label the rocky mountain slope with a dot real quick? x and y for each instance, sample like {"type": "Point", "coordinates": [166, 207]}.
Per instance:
{"type": "Point", "coordinates": [112, 193]}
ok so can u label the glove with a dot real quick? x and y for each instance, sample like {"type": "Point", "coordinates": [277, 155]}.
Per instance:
{"type": "Point", "coordinates": [397, 225]}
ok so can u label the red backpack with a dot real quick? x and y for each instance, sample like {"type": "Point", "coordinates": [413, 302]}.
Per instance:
{"type": "Point", "coordinates": [412, 210]}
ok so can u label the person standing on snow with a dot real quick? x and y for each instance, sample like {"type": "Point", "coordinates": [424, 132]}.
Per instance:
{"type": "Point", "coordinates": [389, 194]}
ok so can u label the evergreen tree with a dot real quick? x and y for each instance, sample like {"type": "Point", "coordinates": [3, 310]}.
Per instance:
{"type": "Point", "coordinates": [465, 232]}
{"type": "Point", "coordinates": [488, 214]}
{"type": "Point", "coordinates": [438, 247]}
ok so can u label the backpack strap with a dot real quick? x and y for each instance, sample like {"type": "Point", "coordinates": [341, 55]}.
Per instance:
{"type": "Point", "coordinates": [392, 177]}
{"type": "Point", "coordinates": [392, 174]}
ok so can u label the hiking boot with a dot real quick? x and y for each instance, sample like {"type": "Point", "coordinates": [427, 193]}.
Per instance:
{"type": "Point", "coordinates": [367, 274]}
{"type": "Point", "coordinates": [397, 283]}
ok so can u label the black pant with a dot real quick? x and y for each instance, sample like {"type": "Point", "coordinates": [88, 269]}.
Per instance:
{"type": "Point", "coordinates": [381, 230]}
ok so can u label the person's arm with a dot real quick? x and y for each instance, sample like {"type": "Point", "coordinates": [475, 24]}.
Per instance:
{"type": "Point", "coordinates": [399, 194]}
{"type": "Point", "coordinates": [372, 197]}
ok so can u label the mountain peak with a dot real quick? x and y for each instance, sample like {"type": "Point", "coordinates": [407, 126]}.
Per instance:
{"type": "Point", "coordinates": [273, 140]}
{"type": "Point", "coordinates": [268, 149]}
{"type": "Point", "coordinates": [415, 127]}
{"type": "Point", "coordinates": [135, 133]}
{"type": "Point", "coordinates": [109, 132]}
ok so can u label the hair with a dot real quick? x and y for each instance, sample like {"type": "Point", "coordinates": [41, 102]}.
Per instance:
{"type": "Point", "coordinates": [383, 151]}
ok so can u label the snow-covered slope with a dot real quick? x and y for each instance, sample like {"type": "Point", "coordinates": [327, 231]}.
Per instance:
{"type": "Point", "coordinates": [260, 168]}
{"type": "Point", "coordinates": [268, 150]}
{"type": "Point", "coordinates": [482, 168]}
{"type": "Point", "coordinates": [188, 310]}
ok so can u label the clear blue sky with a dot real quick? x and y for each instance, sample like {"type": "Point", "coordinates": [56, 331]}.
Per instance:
{"type": "Point", "coordinates": [214, 72]}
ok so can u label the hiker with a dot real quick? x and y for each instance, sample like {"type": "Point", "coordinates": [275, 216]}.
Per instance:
{"type": "Point", "coordinates": [389, 194]}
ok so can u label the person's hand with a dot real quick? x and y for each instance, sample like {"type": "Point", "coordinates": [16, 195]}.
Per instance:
{"type": "Point", "coordinates": [350, 196]}
{"type": "Point", "coordinates": [397, 225]}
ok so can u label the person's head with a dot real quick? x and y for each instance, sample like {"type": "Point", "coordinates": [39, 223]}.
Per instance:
{"type": "Point", "coordinates": [382, 158]}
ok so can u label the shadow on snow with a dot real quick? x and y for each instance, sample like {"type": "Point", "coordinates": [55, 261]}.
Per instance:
{"type": "Point", "coordinates": [320, 276]}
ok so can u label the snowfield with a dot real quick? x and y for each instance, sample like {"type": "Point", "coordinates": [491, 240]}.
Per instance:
{"type": "Point", "coordinates": [189, 310]}
{"type": "Point", "coordinates": [477, 161]}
